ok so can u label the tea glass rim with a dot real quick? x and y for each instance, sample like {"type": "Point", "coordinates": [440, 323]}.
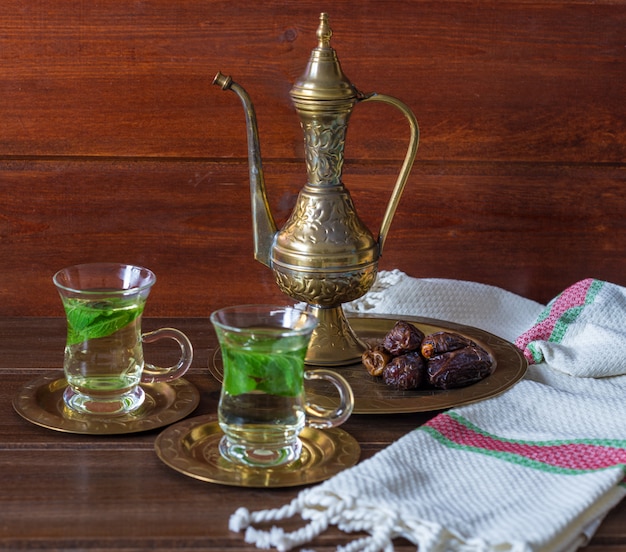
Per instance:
{"type": "Point", "coordinates": [308, 327]}
{"type": "Point", "coordinates": [150, 279]}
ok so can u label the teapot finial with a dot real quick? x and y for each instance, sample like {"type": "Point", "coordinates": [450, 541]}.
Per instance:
{"type": "Point", "coordinates": [323, 80]}
{"type": "Point", "coordinates": [324, 32]}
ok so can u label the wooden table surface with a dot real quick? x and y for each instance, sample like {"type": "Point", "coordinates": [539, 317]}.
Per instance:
{"type": "Point", "coordinates": [66, 491]}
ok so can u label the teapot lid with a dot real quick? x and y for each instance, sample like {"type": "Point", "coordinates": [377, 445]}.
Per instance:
{"type": "Point", "coordinates": [323, 79]}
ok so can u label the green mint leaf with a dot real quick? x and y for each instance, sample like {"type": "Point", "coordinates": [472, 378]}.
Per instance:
{"type": "Point", "coordinates": [93, 320]}
{"type": "Point", "coordinates": [246, 371]}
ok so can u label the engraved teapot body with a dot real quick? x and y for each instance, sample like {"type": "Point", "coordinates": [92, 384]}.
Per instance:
{"type": "Point", "coordinates": [324, 255]}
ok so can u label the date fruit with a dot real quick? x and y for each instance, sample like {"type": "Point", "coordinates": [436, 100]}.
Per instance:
{"type": "Point", "coordinates": [459, 368]}
{"type": "Point", "coordinates": [443, 342]}
{"type": "Point", "coordinates": [405, 371]}
{"type": "Point", "coordinates": [375, 360]}
{"type": "Point", "coordinates": [403, 338]}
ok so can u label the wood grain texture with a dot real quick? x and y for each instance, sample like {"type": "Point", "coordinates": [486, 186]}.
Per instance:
{"type": "Point", "coordinates": [525, 228]}
{"type": "Point", "coordinates": [115, 145]}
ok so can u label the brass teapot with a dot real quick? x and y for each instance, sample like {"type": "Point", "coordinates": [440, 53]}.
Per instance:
{"type": "Point", "coordinates": [324, 255]}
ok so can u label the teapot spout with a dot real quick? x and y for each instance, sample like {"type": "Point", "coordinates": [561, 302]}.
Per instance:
{"type": "Point", "coordinates": [264, 227]}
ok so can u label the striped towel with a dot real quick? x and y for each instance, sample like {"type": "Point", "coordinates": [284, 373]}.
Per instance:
{"type": "Point", "coordinates": [536, 468]}
{"type": "Point", "coordinates": [581, 332]}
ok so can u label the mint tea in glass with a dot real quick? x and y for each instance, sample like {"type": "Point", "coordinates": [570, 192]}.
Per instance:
{"type": "Point", "coordinates": [104, 363]}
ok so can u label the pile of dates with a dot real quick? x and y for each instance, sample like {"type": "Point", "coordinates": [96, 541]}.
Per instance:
{"type": "Point", "coordinates": [408, 359]}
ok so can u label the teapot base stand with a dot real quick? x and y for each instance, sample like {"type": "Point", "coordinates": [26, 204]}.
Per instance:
{"type": "Point", "coordinates": [334, 342]}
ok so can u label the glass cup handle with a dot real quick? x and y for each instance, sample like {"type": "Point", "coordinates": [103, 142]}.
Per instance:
{"type": "Point", "coordinates": [156, 374]}
{"type": "Point", "coordinates": [319, 417]}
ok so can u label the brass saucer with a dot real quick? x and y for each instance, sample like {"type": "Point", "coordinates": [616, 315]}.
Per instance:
{"type": "Point", "coordinates": [41, 402]}
{"type": "Point", "coordinates": [372, 396]}
{"type": "Point", "coordinates": [191, 447]}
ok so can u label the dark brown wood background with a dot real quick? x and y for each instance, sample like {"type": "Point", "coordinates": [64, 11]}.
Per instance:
{"type": "Point", "coordinates": [114, 145]}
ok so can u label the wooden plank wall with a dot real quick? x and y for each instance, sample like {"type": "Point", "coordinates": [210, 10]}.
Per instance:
{"type": "Point", "coordinates": [114, 145]}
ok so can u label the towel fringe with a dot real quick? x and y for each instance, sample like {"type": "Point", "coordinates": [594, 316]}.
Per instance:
{"type": "Point", "coordinates": [327, 509]}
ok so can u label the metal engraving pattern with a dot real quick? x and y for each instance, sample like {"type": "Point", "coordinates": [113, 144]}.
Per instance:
{"type": "Point", "coordinates": [325, 223]}
{"type": "Point", "coordinates": [41, 402]}
{"type": "Point", "coordinates": [325, 290]}
{"type": "Point", "coordinates": [324, 145]}
{"type": "Point", "coordinates": [191, 447]}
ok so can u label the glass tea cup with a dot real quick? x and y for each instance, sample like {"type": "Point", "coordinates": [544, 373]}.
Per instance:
{"type": "Point", "coordinates": [263, 405]}
{"type": "Point", "coordinates": [104, 362]}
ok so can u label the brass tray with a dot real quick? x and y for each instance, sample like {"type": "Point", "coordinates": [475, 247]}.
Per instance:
{"type": "Point", "coordinates": [41, 402]}
{"type": "Point", "coordinates": [191, 448]}
{"type": "Point", "coordinates": [372, 396]}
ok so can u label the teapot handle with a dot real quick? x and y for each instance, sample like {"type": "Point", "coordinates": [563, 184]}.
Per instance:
{"type": "Point", "coordinates": [406, 166]}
